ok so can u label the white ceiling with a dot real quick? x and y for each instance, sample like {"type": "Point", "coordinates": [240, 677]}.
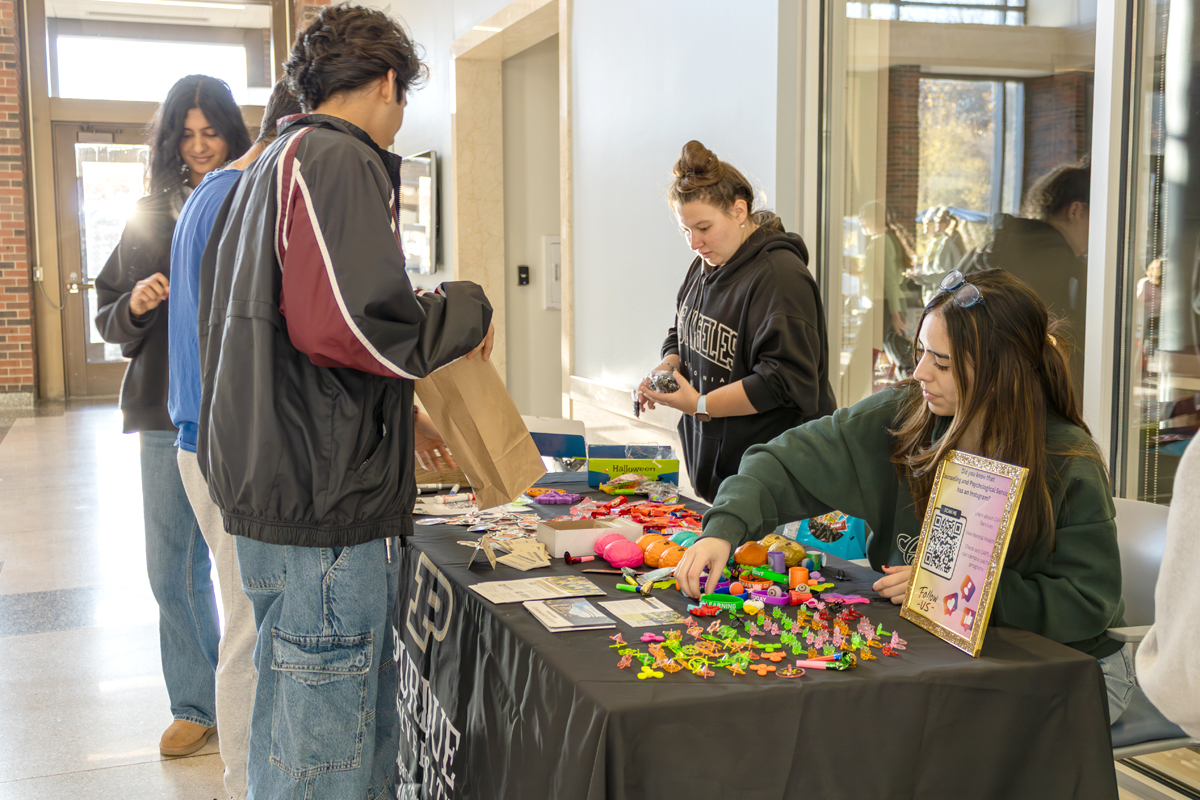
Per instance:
{"type": "Point", "coordinates": [166, 12]}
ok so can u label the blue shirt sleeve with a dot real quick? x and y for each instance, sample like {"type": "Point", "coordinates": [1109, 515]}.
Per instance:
{"type": "Point", "coordinates": [191, 235]}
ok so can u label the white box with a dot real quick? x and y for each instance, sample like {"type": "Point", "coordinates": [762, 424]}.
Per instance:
{"type": "Point", "coordinates": [578, 537]}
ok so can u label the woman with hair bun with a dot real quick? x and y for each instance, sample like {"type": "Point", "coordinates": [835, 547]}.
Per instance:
{"type": "Point", "coordinates": [993, 378]}
{"type": "Point", "coordinates": [748, 347]}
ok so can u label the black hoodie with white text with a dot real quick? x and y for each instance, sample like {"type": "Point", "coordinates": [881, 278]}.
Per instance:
{"type": "Point", "coordinates": [756, 319]}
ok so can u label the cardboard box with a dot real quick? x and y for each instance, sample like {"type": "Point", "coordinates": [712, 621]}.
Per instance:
{"type": "Point", "coordinates": [607, 461]}
{"type": "Point", "coordinates": [578, 537]}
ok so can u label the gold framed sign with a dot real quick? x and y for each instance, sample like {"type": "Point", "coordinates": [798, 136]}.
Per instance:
{"type": "Point", "coordinates": [964, 540]}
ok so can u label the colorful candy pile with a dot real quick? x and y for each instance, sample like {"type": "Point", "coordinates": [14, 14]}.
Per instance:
{"type": "Point", "coordinates": [823, 639]}
{"type": "Point", "coordinates": [651, 515]}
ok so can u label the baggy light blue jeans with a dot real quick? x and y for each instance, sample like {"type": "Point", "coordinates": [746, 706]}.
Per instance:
{"type": "Point", "coordinates": [179, 569]}
{"type": "Point", "coordinates": [325, 721]}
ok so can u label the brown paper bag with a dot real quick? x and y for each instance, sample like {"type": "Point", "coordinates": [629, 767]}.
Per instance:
{"type": "Point", "coordinates": [484, 431]}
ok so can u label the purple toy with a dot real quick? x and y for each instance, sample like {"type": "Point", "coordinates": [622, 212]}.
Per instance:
{"type": "Point", "coordinates": [555, 497]}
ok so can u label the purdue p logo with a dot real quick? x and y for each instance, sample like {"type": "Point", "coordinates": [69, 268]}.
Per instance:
{"type": "Point", "coordinates": [432, 603]}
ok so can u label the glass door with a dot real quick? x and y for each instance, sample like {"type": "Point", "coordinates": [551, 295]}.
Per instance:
{"type": "Point", "coordinates": [1160, 338]}
{"type": "Point", "coordinates": [100, 174]}
{"type": "Point", "coordinates": [940, 121]}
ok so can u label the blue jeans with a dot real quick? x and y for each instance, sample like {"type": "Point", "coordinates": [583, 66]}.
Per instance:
{"type": "Point", "coordinates": [325, 721]}
{"type": "Point", "coordinates": [1119, 681]}
{"type": "Point", "coordinates": [179, 569]}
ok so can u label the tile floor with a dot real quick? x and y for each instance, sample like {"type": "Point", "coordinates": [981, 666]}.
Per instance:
{"type": "Point", "coordinates": [83, 698]}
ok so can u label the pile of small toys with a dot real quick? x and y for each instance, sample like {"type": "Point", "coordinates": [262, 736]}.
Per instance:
{"type": "Point", "coordinates": [825, 633]}
{"type": "Point", "coordinates": [823, 638]}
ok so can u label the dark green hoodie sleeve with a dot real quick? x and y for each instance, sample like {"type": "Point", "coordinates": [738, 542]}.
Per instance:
{"type": "Point", "coordinates": [1070, 591]}
{"type": "Point", "coordinates": [842, 462]}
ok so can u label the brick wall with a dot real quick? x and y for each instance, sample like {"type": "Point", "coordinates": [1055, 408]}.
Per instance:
{"type": "Point", "coordinates": [1058, 114]}
{"type": "Point", "coordinates": [16, 316]}
{"type": "Point", "coordinates": [904, 144]}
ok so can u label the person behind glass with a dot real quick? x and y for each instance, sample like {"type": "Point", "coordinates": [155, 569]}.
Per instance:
{"type": "Point", "coordinates": [310, 341]}
{"type": "Point", "coordinates": [943, 253]}
{"type": "Point", "coordinates": [992, 378]}
{"type": "Point", "coordinates": [197, 129]}
{"type": "Point", "coordinates": [748, 346]}
{"type": "Point", "coordinates": [1046, 247]}
{"type": "Point", "coordinates": [880, 223]}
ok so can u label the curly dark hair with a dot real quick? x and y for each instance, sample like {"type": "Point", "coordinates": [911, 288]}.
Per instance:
{"type": "Point", "coordinates": [210, 95]}
{"type": "Point", "coordinates": [345, 47]}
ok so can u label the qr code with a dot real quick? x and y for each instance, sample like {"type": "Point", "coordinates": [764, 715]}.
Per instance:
{"type": "Point", "coordinates": [945, 539]}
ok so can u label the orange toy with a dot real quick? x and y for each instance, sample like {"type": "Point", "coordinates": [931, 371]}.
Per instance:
{"type": "Point", "coordinates": [797, 576]}
{"type": "Point", "coordinates": [671, 556]}
{"type": "Point", "coordinates": [751, 554]}
{"type": "Point", "coordinates": [649, 539]}
{"type": "Point", "coordinates": [655, 551]}
{"type": "Point", "coordinates": [736, 588]}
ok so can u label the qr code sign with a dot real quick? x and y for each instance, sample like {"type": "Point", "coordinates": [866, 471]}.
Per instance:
{"type": "Point", "coordinates": [945, 539]}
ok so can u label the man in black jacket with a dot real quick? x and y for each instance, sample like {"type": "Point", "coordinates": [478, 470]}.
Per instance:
{"type": "Point", "coordinates": [310, 339]}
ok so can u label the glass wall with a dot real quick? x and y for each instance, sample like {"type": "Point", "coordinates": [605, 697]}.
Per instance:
{"type": "Point", "coordinates": [1160, 305]}
{"type": "Point", "coordinates": [942, 118]}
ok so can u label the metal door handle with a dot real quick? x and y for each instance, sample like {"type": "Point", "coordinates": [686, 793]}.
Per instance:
{"type": "Point", "coordinates": [74, 288]}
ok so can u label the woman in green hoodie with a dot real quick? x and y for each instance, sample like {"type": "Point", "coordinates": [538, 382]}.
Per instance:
{"type": "Point", "coordinates": [991, 378]}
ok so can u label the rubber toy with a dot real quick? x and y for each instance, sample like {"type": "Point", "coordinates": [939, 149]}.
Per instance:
{"type": "Point", "coordinates": [685, 538]}
{"type": "Point", "coordinates": [753, 607]}
{"type": "Point", "coordinates": [736, 588]}
{"type": "Point", "coordinates": [606, 540]}
{"type": "Point", "coordinates": [793, 553]}
{"type": "Point", "coordinates": [776, 560]}
{"type": "Point", "coordinates": [671, 556]}
{"type": "Point", "coordinates": [649, 539]}
{"type": "Point", "coordinates": [769, 574]}
{"type": "Point", "coordinates": [655, 551]}
{"type": "Point", "coordinates": [722, 601]}
{"type": "Point", "coordinates": [623, 553]}
{"type": "Point", "coordinates": [797, 576]}
{"type": "Point", "coordinates": [751, 554]}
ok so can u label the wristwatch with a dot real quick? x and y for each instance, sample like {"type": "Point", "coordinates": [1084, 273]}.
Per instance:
{"type": "Point", "coordinates": [701, 415]}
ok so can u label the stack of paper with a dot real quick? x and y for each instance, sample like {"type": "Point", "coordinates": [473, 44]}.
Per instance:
{"type": "Point", "coordinates": [568, 614]}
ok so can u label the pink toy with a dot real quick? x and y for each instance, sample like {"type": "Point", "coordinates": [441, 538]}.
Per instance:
{"type": "Point", "coordinates": [606, 540]}
{"type": "Point", "coordinates": [653, 637]}
{"type": "Point", "coordinates": [622, 553]}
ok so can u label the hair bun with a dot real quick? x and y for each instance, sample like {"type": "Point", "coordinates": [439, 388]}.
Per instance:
{"type": "Point", "coordinates": [697, 168]}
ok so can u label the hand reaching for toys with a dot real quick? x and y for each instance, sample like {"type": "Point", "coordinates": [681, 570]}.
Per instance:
{"type": "Point", "coordinates": [708, 552]}
{"type": "Point", "coordinates": [894, 583]}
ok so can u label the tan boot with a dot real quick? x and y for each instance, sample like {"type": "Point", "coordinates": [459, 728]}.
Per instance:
{"type": "Point", "coordinates": [184, 738]}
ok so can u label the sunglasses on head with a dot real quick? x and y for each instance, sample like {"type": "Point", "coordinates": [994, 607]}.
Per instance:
{"type": "Point", "coordinates": [963, 294]}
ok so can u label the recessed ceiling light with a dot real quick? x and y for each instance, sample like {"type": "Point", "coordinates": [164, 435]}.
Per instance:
{"type": "Point", "coordinates": [185, 3]}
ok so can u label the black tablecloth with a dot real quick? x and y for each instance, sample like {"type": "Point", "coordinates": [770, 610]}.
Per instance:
{"type": "Point", "coordinates": [495, 706]}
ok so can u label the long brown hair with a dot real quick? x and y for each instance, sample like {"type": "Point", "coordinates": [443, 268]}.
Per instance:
{"type": "Point", "coordinates": [1021, 364]}
{"type": "Point", "coordinates": [701, 176]}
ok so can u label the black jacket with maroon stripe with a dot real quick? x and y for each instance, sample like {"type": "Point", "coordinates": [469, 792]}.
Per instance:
{"type": "Point", "coordinates": [759, 320]}
{"type": "Point", "coordinates": [310, 338]}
